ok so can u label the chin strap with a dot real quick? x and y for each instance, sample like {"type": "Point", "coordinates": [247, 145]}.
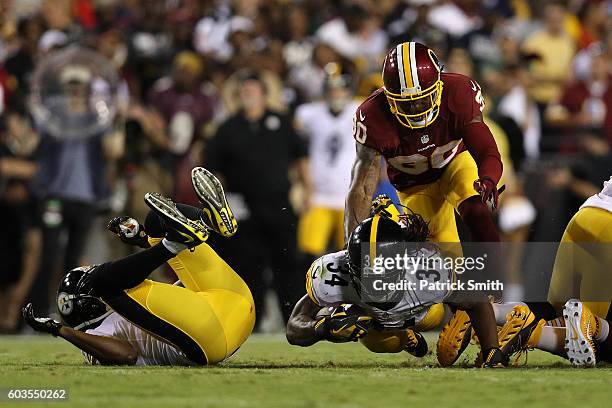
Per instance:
{"type": "Point", "coordinates": [92, 321]}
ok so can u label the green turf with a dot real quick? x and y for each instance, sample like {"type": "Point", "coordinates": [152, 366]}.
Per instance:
{"type": "Point", "coordinates": [269, 373]}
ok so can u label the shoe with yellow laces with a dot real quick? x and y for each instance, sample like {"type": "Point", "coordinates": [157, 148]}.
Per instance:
{"type": "Point", "coordinates": [581, 326]}
{"type": "Point", "coordinates": [454, 338]}
{"type": "Point", "coordinates": [520, 333]}
{"type": "Point", "coordinates": [416, 344]}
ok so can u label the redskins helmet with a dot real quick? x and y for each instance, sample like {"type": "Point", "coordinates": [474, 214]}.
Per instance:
{"type": "Point", "coordinates": [76, 302]}
{"type": "Point", "coordinates": [412, 84]}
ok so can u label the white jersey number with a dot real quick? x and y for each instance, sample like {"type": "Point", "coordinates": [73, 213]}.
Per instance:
{"type": "Point", "coordinates": [418, 164]}
{"type": "Point", "coordinates": [359, 130]}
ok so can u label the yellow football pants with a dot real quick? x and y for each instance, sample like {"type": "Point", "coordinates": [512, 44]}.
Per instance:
{"type": "Point", "coordinates": [583, 271]}
{"type": "Point", "coordinates": [213, 311]}
{"type": "Point", "coordinates": [317, 227]}
{"type": "Point", "coordinates": [394, 341]}
{"type": "Point", "coordinates": [438, 201]}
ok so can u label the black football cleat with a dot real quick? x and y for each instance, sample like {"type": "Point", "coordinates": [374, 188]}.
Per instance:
{"type": "Point", "coordinates": [178, 227]}
{"type": "Point", "coordinates": [417, 345]}
{"type": "Point", "coordinates": [216, 212]}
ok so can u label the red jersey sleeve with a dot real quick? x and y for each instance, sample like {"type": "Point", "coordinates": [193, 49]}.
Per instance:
{"type": "Point", "coordinates": [465, 99]}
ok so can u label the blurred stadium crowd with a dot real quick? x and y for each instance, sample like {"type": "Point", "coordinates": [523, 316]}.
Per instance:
{"type": "Point", "coordinates": [184, 98]}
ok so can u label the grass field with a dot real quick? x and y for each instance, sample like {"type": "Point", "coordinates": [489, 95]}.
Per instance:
{"type": "Point", "coordinates": [269, 373]}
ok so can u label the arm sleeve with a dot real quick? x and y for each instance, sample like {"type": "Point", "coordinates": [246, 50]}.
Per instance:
{"type": "Point", "coordinates": [480, 143]}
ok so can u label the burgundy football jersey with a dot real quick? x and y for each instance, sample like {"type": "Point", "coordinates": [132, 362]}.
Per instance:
{"type": "Point", "coordinates": [419, 156]}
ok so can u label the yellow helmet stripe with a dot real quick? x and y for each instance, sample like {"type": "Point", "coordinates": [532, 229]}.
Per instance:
{"type": "Point", "coordinates": [407, 57]}
{"type": "Point", "coordinates": [373, 233]}
{"type": "Point", "coordinates": [413, 68]}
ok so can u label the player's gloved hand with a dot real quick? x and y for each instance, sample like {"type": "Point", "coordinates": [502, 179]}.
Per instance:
{"type": "Point", "coordinates": [346, 323]}
{"type": "Point", "coordinates": [129, 231]}
{"type": "Point", "coordinates": [494, 358]}
{"type": "Point", "coordinates": [487, 189]}
{"type": "Point", "coordinates": [383, 206]}
{"type": "Point", "coordinates": [40, 324]}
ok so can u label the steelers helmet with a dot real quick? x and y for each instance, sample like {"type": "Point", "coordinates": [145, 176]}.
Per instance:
{"type": "Point", "coordinates": [76, 302]}
{"type": "Point", "coordinates": [382, 237]}
{"type": "Point", "coordinates": [411, 81]}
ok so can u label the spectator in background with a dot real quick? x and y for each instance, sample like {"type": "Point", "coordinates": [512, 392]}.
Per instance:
{"type": "Point", "coordinates": [71, 179]}
{"type": "Point", "coordinates": [253, 152]}
{"type": "Point", "coordinates": [187, 107]}
{"type": "Point", "coordinates": [356, 35]}
{"type": "Point", "coordinates": [20, 239]}
{"type": "Point", "coordinates": [593, 18]}
{"type": "Point", "coordinates": [555, 49]}
{"type": "Point", "coordinates": [587, 104]}
{"type": "Point", "coordinates": [410, 22]}
{"type": "Point", "coordinates": [20, 63]}
{"type": "Point", "coordinates": [299, 47]}
{"type": "Point", "coordinates": [512, 84]}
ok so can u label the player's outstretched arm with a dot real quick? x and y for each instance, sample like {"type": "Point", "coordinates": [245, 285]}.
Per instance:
{"type": "Point", "coordinates": [106, 350]}
{"type": "Point", "coordinates": [301, 327]}
{"type": "Point", "coordinates": [364, 180]}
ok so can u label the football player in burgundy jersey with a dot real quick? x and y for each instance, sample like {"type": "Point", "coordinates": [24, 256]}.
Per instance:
{"type": "Point", "coordinates": [441, 157]}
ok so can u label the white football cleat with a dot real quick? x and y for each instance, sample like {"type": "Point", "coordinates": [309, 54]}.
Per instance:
{"type": "Point", "coordinates": [580, 325]}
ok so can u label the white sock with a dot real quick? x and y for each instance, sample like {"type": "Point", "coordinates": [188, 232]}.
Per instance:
{"type": "Point", "coordinates": [604, 330]}
{"type": "Point", "coordinates": [502, 309]}
{"type": "Point", "coordinates": [551, 339]}
{"type": "Point", "coordinates": [174, 247]}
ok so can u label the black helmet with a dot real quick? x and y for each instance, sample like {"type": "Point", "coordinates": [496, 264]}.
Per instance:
{"type": "Point", "coordinates": [76, 302]}
{"type": "Point", "coordinates": [381, 236]}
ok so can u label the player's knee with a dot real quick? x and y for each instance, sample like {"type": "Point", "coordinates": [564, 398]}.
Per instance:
{"type": "Point", "coordinates": [379, 343]}
{"type": "Point", "coordinates": [478, 220]}
{"type": "Point", "coordinates": [473, 208]}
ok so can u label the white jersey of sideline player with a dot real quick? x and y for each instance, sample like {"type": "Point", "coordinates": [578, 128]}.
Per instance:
{"type": "Point", "coordinates": [602, 199]}
{"type": "Point", "coordinates": [331, 150]}
{"type": "Point", "coordinates": [328, 284]}
{"type": "Point", "coordinates": [151, 351]}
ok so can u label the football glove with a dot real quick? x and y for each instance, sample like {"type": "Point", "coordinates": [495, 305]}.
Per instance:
{"type": "Point", "coordinates": [488, 191]}
{"type": "Point", "coordinates": [40, 324]}
{"type": "Point", "coordinates": [346, 323]}
{"type": "Point", "coordinates": [383, 206]}
{"type": "Point", "coordinates": [494, 358]}
{"type": "Point", "coordinates": [129, 231]}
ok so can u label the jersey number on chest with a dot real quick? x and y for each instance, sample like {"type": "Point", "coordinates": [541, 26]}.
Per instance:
{"type": "Point", "coordinates": [336, 278]}
{"type": "Point", "coordinates": [417, 163]}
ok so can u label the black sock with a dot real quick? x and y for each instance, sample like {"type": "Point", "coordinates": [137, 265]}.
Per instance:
{"type": "Point", "coordinates": [113, 277]}
{"type": "Point", "coordinates": [542, 310]}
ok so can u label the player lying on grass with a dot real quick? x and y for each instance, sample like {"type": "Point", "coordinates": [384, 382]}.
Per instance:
{"type": "Point", "coordinates": [117, 316]}
{"type": "Point", "coordinates": [340, 306]}
{"type": "Point", "coordinates": [580, 294]}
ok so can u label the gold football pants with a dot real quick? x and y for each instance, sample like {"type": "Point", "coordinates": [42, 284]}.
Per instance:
{"type": "Point", "coordinates": [582, 265]}
{"type": "Point", "coordinates": [208, 319]}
